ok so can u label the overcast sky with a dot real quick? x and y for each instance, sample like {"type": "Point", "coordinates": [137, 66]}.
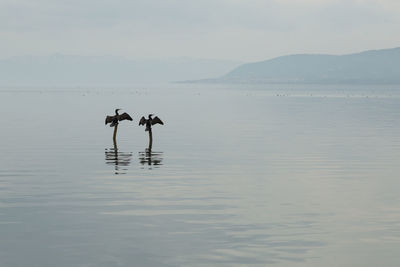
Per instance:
{"type": "Point", "coordinates": [244, 30]}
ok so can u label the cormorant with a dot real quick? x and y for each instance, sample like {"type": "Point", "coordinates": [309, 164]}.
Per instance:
{"type": "Point", "coordinates": [149, 122]}
{"type": "Point", "coordinates": [114, 120]}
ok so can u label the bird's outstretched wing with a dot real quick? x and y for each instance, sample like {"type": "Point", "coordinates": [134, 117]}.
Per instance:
{"type": "Point", "coordinates": [109, 119]}
{"type": "Point", "coordinates": [124, 116]}
{"type": "Point", "coordinates": [156, 120]}
{"type": "Point", "coordinates": [142, 121]}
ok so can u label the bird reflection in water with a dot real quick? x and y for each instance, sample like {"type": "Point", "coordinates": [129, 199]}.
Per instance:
{"type": "Point", "coordinates": [120, 160]}
{"type": "Point", "coordinates": [151, 158]}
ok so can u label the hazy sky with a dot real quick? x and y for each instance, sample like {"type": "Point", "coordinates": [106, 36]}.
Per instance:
{"type": "Point", "coordinates": [245, 30]}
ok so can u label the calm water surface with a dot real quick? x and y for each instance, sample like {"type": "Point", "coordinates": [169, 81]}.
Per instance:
{"type": "Point", "coordinates": [238, 176]}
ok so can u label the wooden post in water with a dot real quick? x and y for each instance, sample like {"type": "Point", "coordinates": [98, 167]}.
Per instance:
{"type": "Point", "coordinates": [115, 145]}
{"type": "Point", "coordinates": [150, 139]}
{"type": "Point", "coordinates": [115, 152]}
{"type": "Point", "coordinates": [115, 133]}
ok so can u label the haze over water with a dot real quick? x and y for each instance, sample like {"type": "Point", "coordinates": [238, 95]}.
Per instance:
{"type": "Point", "coordinates": [277, 175]}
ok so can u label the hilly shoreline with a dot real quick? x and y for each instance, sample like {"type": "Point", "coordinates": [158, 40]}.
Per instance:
{"type": "Point", "coordinates": [369, 67]}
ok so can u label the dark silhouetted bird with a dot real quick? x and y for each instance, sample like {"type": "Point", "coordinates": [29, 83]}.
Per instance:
{"type": "Point", "coordinates": [117, 117]}
{"type": "Point", "coordinates": [150, 121]}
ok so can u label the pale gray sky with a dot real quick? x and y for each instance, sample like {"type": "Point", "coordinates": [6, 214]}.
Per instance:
{"type": "Point", "coordinates": [244, 30]}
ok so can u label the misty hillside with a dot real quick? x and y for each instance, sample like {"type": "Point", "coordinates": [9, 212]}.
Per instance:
{"type": "Point", "coordinates": [377, 66]}
{"type": "Point", "coordinates": [105, 70]}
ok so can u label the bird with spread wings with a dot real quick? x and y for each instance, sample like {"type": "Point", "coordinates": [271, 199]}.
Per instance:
{"type": "Point", "coordinates": [150, 121]}
{"type": "Point", "coordinates": [117, 117]}
{"type": "Point", "coordinates": [114, 121]}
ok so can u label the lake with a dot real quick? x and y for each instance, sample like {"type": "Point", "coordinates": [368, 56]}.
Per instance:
{"type": "Point", "coordinates": [239, 175]}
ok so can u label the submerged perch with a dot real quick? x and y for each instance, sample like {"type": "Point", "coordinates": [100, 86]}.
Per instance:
{"type": "Point", "coordinates": [149, 122]}
{"type": "Point", "coordinates": [115, 119]}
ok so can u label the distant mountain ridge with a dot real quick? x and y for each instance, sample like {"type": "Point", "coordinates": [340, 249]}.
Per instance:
{"type": "Point", "coordinates": [374, 66]}
{"type": "Point", "coordinates": [67, 70]}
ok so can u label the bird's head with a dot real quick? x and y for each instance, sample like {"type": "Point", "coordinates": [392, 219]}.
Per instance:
{"type": "Point", "coordinates": [116, 111]}
{"type": "Point", "coordinates": [150, 115]}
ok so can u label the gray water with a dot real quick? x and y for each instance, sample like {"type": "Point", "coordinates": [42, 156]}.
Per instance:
{"type": "Point", "coordinates": [238, 176]}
